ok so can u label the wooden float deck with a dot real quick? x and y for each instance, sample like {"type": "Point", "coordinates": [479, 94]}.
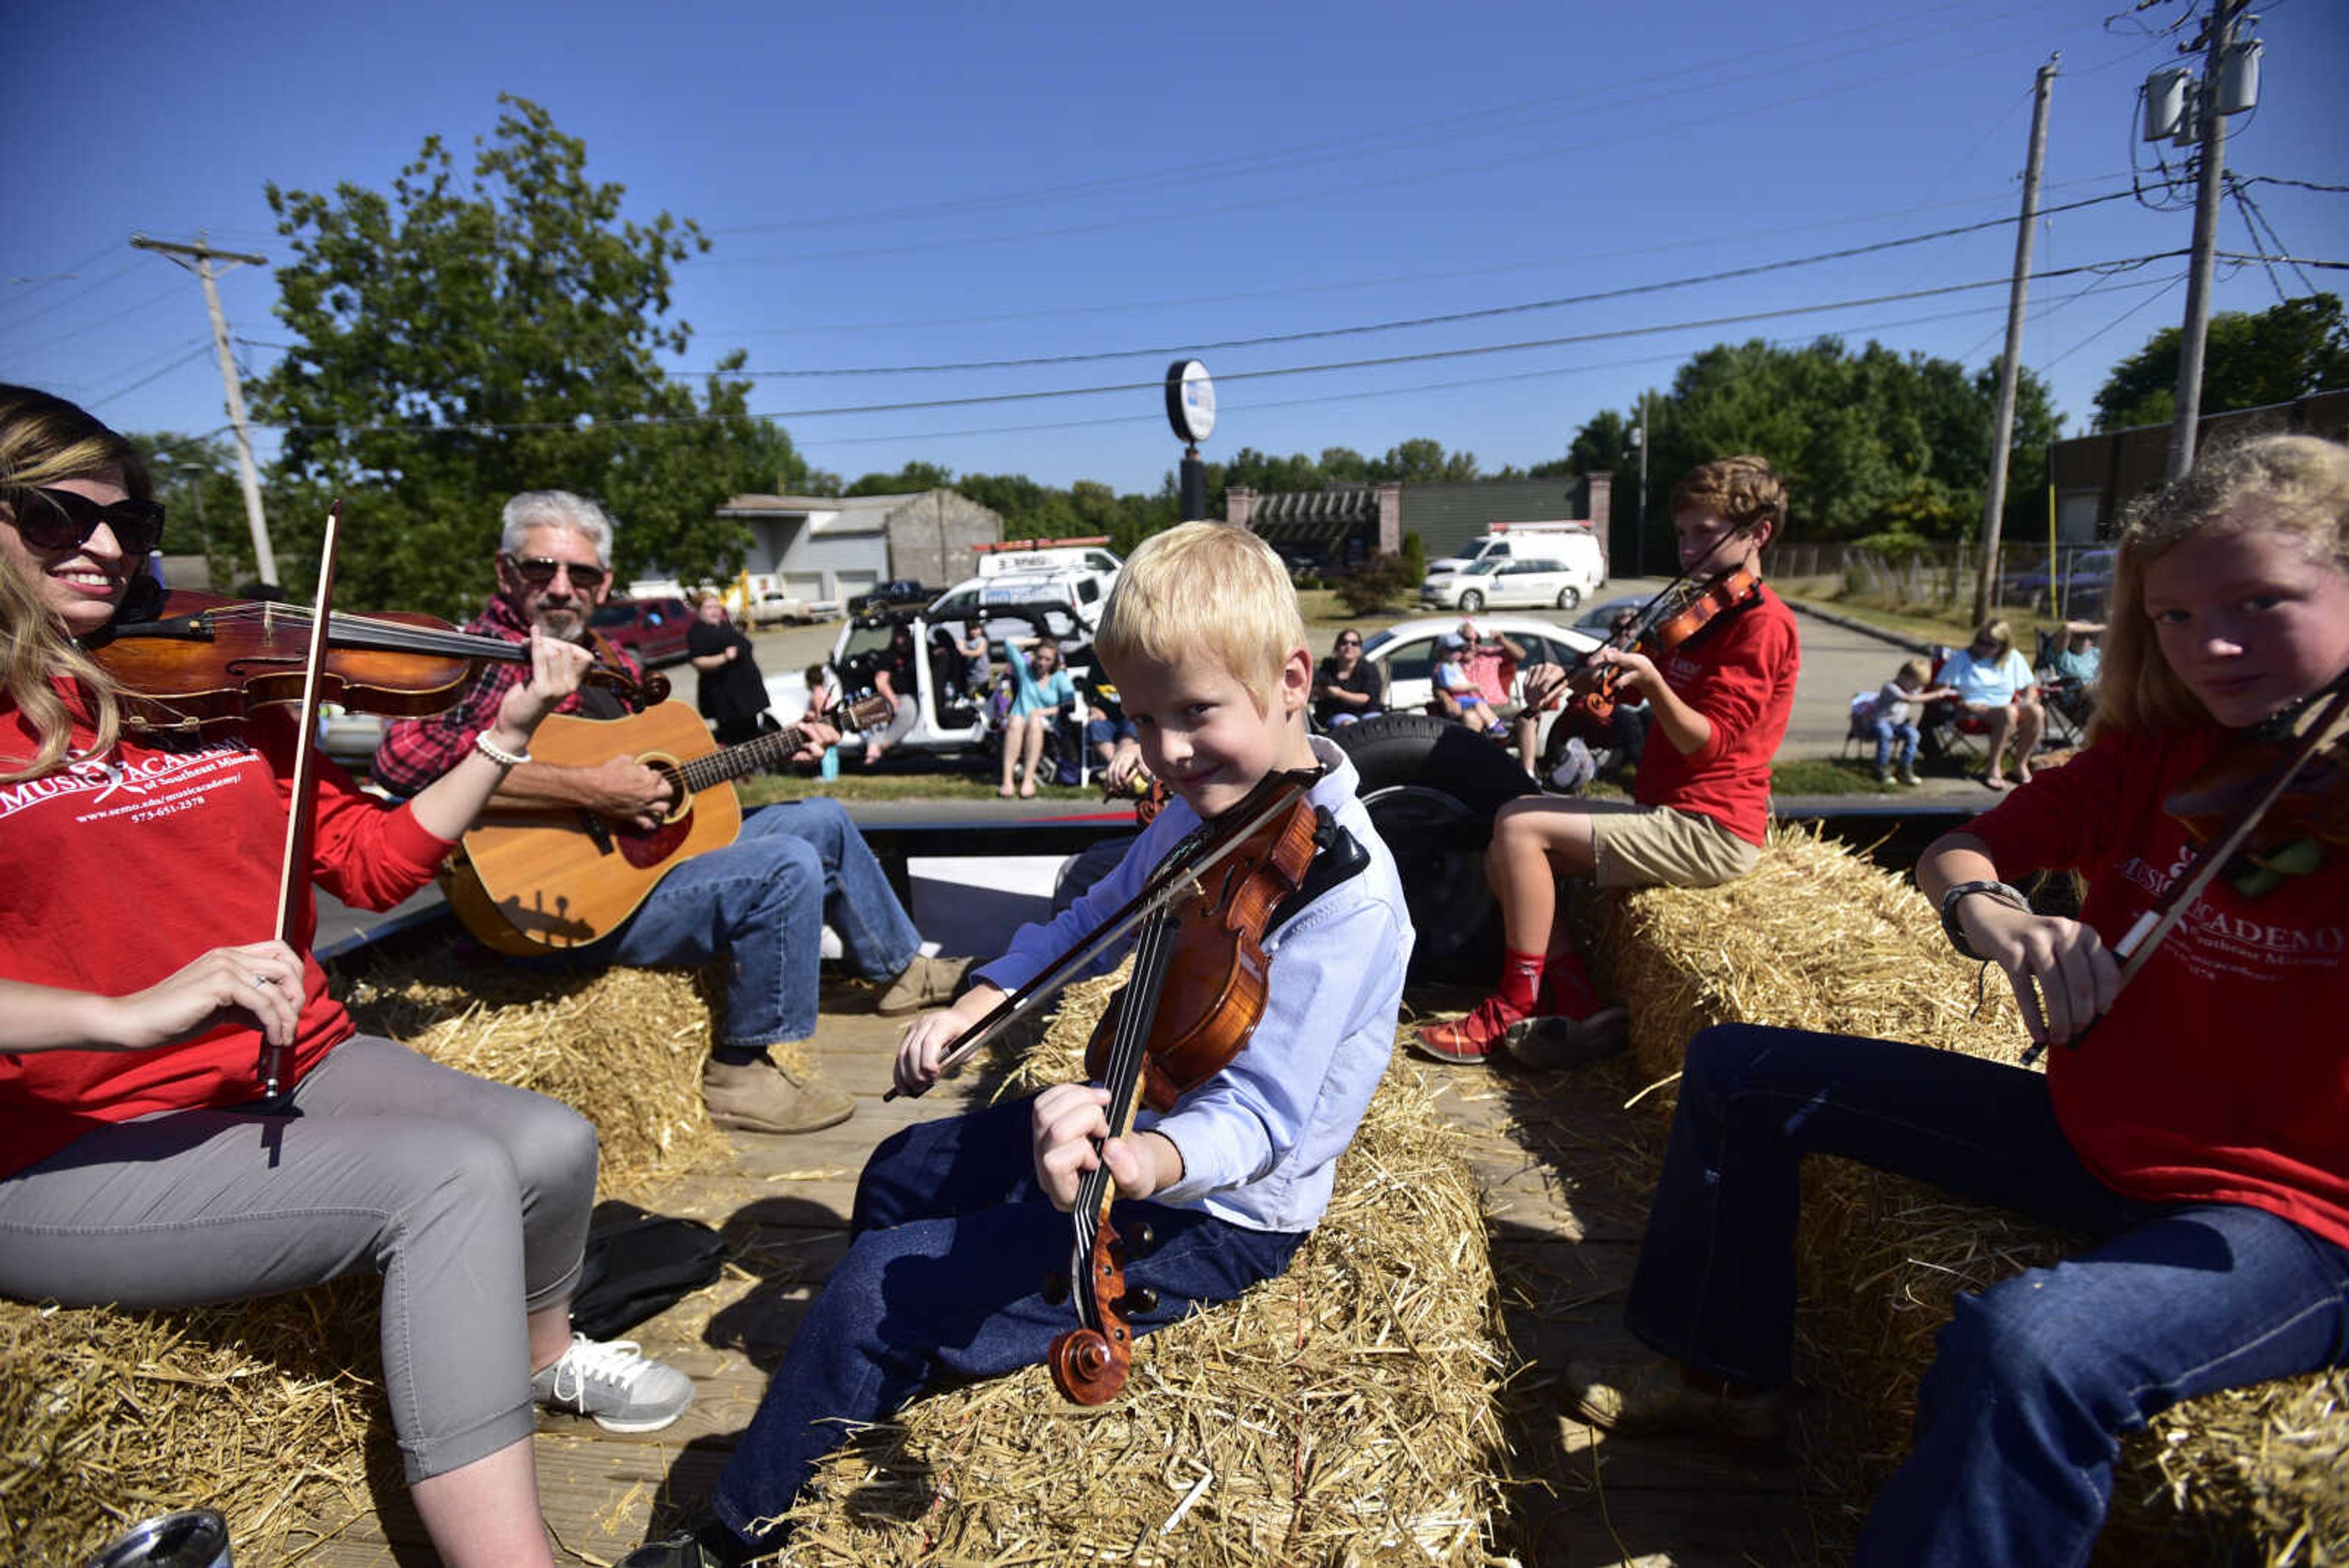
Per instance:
{"type": "Point", "coordinates": [1563, 1164]}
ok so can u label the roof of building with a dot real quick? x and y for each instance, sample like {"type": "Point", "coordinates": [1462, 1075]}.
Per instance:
{"type": "Point", "coordinates": [1314, 516]}
{"type": "Point", "coordinates": [1445, 517]}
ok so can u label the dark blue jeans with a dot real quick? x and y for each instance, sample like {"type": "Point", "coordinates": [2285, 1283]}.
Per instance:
{"type": "Point", "coordinates": [944, 1282]}
{"type": "Point", "coordinates": [762, 902]}
{"type": "Point", "coordinates": [2019, 1417]}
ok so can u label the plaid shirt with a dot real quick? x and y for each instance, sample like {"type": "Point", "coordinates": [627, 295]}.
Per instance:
{"type": "Point", "coordinates": [415, 751]}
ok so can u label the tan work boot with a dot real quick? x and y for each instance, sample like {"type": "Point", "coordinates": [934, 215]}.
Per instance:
{"type": "Point", "coordinates": [925, 983]}
{"type": "Point", "coordinates": [765, 1097]}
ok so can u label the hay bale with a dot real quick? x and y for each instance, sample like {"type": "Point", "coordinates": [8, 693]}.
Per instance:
{"type": "Point", "coordinates": [1818, 939]}
{"type": "Point", "coordinates": [1345, 1412]}
{"type": "Point", "coordinates": [272, 1410]}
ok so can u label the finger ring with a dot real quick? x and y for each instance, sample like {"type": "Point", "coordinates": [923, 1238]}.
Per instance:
{"type": "Point", "coordinates": [261, 981]}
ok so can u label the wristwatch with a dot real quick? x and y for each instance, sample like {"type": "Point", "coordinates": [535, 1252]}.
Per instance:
{"type": "Point", "coordinates": [2004, 892]}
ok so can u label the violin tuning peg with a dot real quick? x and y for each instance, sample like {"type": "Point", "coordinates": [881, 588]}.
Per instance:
{"type": "Point", "coordinates": [1055, 1290]}
{"type": "Point", "coordinates": [1140, 1299]}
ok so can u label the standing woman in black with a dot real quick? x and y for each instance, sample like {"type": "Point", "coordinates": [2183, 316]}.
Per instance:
{"type": "Point", "coordinates": [731, 693]}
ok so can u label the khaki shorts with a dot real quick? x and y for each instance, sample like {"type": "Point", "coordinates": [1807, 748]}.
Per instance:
{"type": "Point", "coordinates": [1654, 845]}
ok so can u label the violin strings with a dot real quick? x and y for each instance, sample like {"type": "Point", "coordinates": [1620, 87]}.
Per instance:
{"type": "Point", "coordinates": [392, 636]}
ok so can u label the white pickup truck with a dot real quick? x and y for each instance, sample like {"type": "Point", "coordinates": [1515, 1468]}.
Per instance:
{"type": "Point", "coordinates": [786, 609]}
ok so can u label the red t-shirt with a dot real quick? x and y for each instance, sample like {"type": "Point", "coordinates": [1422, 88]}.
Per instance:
{"type": "Point", "coordinates": [115, 874]}
{"type": "Point", "coordinates": [1739, 672]}
{"type": "Point", "coordinates": [2221, 1073]}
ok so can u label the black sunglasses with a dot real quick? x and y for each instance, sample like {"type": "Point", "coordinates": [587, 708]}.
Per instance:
{"type": "Point", "coordinates": [539, 570]}
{"type": "Point", "coordinates": [1350, 642]}
{"type": "Point", "coordinates": [65, 519]}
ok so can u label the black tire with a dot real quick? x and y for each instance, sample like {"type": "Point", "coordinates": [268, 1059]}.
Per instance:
{"type": "Point", "coordinates": [1431, 788]}
{"type": "Point", "coordinates": [1568, 597]}
{"type": "Point", "coordinates": [1471, 602]}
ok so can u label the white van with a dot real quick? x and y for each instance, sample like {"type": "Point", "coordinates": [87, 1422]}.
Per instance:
{"type": "Point", "coordinates": [1555, 564]}
{"type": "Point", "coordinates": [1082, 589]}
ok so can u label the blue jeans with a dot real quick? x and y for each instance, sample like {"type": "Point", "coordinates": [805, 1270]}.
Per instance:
{"type": "Point", "coordinates": [1886, 731]}
{"type": "Point", "coordinates": [944, 1282]}
{"type": "Point", "coordinates": [2019, 1416]}
{"type": "Point", "coordinates": [764, 901]}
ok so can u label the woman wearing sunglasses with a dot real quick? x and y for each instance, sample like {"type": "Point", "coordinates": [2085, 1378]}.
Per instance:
{"type": "Point", "coordinates": [1346, 687]}
{"type": "Point", "coordinates": [138, 982]}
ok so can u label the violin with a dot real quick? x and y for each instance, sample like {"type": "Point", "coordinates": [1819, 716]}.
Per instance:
{"type": "Point", "coordinates": [1676, 615]}
{"type": "Point", "coordinates": [1196, 993]}
{"type": "Point", "coordinates": [186, 659]}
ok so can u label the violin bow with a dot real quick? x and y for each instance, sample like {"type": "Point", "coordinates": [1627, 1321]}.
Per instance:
{"type": "Point", "coordinates": [301, 818]}
{"type": "Point", "coordinates": [1174, 878]}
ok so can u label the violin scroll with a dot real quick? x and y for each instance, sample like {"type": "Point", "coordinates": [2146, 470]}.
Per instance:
{"type": "Point", "coordinates": [1089, 1364]}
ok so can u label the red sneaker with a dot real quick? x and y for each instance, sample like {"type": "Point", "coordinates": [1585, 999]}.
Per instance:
{"type": "Point", "coordinates": [1566, 992]}
{"type": "Point", "coordinates": [1466, 1042]}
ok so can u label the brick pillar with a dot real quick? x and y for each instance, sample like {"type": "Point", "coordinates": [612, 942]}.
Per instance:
{"type": "Point", "coordinates": [1601, 487]}
{"type": "Point", "coordinates": [1389, 517]}
{"type": "Point", "coordinates": [1239, 505]}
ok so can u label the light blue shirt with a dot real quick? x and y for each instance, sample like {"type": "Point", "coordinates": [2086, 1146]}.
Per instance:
{"type": "Point", "coordinates": [1260, 1139]}
{"type": "Point", "coordinates": [1995, 682]}
{"type": "Point", "coordinates": [1055, 691]}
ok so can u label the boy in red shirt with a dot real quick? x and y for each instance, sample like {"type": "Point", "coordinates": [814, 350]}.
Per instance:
{"type": "Point", "coordinates": [1719, 704]}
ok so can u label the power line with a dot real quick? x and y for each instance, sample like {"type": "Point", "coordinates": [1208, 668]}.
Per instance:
{"type": "Point", "coordinates": [1385, 181]}
{"type": "Point", "coordinates": [1444, 319]}
{"type": "Point", "coordinates": [110, 320]}
{"type": "Point", "coordinates": [1545, 373]}
{"type": "Point", "coordinates": [1422, 357]}
{"type": "Point", "coordinates": [198, 352]}
{"type": "Point", "coordinates": [1389, 139]}
{"type": "Point", "coordinates": [1063, 312]}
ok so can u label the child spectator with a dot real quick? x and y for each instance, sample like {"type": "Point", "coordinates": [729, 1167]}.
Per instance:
{"type": "Point", "coordinates": [2193, 1139]}
{"type": "Point", "coordinates": [1894, 717]}
{"type": "Point", "coordinates": [1456, 696]}
{"type": "Point", "coordinates": [1719, 701]}
{"type": "Point", "coordinates": [959, 1222]}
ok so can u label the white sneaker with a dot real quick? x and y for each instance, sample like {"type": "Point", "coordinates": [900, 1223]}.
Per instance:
{"type": "Point", "coordinates": [611, 1380]}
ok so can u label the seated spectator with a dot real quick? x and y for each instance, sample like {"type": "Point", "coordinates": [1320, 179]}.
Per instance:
{"type": "Point", "coordinates": [2080, 657]}
{"type": "Point", "coordinates": [1347, 688]}
{"type": "Point", "coordinates": [1994, 683]}
{"type": "Point", "coordinates": [1456, 696]}
{"type": "Point", "coordinates": [895, 680]}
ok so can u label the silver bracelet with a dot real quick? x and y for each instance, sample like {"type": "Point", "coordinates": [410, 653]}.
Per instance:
{"type": "Point", "coordinates": [497, 753]}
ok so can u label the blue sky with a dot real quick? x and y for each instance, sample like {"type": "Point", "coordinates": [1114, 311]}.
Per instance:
{"type": "Point", "coordinates": [916, 184]}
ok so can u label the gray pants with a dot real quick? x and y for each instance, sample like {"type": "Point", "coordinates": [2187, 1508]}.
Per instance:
{"type": "Point", "coordinates": [470, 1199]}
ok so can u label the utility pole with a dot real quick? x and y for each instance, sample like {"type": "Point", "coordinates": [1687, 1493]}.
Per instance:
{"type": "Point", "coordinates": [2009, 366]}
{"type": "Point", "coordinates": [1639, 501]}
{"type": "Point", "coordinates": [199, 259]}
{"type": "Point", "coordinates": [2212, 123]}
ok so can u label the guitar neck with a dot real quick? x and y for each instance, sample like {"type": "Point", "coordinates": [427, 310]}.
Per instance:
{"type": "Point", "coordinates": [731, 762]}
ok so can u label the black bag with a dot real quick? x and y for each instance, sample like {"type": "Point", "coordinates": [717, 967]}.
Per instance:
{"type": "Point", "coordinates": [636, 1266]}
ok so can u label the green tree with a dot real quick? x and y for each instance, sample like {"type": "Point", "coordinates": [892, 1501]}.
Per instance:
{"type": "Point", "coordinates": [196, 480]}
{"type": "Point", "coordinates": [1873, 444]}
{"type": "Point", "coordinates": [456, 343]}
{"type": "Point", "coordinates": [910, 479]}
{"type": "Point", "coordinates": [2286, 351]}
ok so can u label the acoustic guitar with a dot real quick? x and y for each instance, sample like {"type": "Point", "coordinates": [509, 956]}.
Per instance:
{"type": "Point", "coordinates": [536, 881]}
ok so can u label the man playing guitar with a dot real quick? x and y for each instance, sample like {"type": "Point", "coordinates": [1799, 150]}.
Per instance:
{"type": "Point", "coordinates": [761, 901]}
